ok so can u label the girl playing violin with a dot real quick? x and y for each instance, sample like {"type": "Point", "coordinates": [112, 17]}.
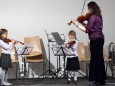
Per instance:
{"type": "Point", "coordinates": [5, 59]}
{"type": "Point", "coordinates": [94, 29]}
{"type": "Point", "coordinates": [72, 64]}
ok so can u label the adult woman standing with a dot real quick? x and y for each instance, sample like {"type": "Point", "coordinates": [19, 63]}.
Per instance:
{"type": "Point", "coordinates": [94, 29]}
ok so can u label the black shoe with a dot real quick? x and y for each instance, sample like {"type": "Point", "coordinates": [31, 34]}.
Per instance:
{"type": "Point", "coordinates": [101, 83]}
{"type": "Point", "coordinates": [95, 83]}
{"type": "Point", "coordinates": [75, 82]}
{"type": "Point", "coordinates": [68, 80]}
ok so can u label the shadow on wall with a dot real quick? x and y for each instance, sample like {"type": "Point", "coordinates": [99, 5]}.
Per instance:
{"type": "Point", "coordinates": [45, 57]}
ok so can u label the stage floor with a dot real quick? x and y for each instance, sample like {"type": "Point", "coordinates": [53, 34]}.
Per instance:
{"type": "Point", "coordinates": [60, 82]}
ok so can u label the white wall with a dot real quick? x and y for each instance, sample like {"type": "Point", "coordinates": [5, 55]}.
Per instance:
{"type": "Point", "coordinates": [31, 17]}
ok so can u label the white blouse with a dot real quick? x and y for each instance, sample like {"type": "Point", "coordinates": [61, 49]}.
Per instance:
{"type": "Point", "coordinates": [73, 49]}
{"type": "Point", "coordinates": [6, 47]}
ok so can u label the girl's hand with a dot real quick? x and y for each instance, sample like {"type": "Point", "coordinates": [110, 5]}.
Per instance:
{"type": "Point", "coordinates": [67, 45]}
{"type": "Point", "coordinates": [70, 40]}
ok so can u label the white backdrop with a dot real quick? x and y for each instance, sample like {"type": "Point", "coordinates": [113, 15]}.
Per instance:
{"type": "Point", "coordinates": [31, 17]}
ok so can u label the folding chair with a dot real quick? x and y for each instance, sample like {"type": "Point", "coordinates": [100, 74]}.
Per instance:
{"type": "Point", "coordinates": [36, 55]}
{"type": "Point", "coordinates": [82, 56]}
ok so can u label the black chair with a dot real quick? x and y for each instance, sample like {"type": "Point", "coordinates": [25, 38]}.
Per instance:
{"type": "Point", "coordinates": [111, 49]}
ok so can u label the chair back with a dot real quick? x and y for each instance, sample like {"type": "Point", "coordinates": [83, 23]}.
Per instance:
{"type": "Point", "coordinates": [36, 52]}
{"type": "Point", "coordinates": [110, 51]}
{"type": "Point", "coordinates": [81, 51]}
{"type": "Point", "coordinates": [113, 55]}
{"type": "Point", "coordinates": [14, 56]}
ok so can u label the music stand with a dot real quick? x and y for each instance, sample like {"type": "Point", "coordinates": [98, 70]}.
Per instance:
{"type": "Point", "coordinates": [61, 50]}
{"type": "Point", "coordinates": [23, 51]}
{"type": "Point", "coordinates": [59, 41]}
{"type": "Point", "coordinates": [50, 40]}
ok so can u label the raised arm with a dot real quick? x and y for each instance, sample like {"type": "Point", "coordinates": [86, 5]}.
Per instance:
{"type": "Point", "coordinates": [5, 46]}
{"type": "Point", "coordinates": [80, 26]}
{"type": "Point", "coordinates": [85, 28]}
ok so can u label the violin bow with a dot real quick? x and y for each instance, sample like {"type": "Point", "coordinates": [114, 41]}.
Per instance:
{"type": "Point", "coordinates": [83, 7]}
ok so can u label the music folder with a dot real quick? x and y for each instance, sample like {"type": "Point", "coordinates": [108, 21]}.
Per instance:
{"type": "Point", "coordinates": [58, 38]}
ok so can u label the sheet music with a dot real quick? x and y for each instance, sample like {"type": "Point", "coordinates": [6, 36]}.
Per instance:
{"type": "Point", "coordinates": [58, 51]}
{"type": "Point", "coordinates": [26, 49]}
{"type": "Point", "coordinates": [57, 38]}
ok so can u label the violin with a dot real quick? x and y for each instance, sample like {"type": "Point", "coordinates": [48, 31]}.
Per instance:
{"type": "Point", "coordinates": [81, 18]}
{"type": "Point", "coordinates": [9, 40]}
{"type": "Point", "coordinates": [70, 44]}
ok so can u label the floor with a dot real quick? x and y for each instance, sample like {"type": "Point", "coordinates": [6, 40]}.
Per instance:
{"type": "Point", "coordinates": [56, 82]}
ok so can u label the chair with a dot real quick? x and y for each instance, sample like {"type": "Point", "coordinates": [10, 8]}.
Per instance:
{"type": "Point", "coordinates": [89, 53]}
{"type": "Point", "coordinates": [36, 55]}
{"type": "Point", "coordinates": [107, 58]}
{"type": "Point", "coordinates": [82, 56]}
{"type": "Point", "coordinates": [111, 56]}
{"type": "Point", "coordinates": [13, 56]}
{"type": "Point", "coordinates": [14, 59]}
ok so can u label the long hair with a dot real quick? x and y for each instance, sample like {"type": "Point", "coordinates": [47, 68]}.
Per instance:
{"type": "Point", "coordinates": [2, 31]}
{"type": "Point", "coordinates": [95, 8]}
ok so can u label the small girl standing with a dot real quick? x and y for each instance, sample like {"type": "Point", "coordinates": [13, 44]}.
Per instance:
{"type": "Point", "coordinates": [5, 59]}
{"type": "Point", "coordinates": [72, 64]}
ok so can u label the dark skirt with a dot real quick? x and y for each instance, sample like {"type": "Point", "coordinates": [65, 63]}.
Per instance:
{"type": "Point", "coordinates": [72, 64]}
{"type": "Point", "coordinates": [97, 67]}
{"type": "Point", "coordinates": [5, 61]}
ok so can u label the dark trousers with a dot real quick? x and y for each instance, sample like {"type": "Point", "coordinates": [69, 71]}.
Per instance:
{"type": "Point", "coordinates": [97, 67]}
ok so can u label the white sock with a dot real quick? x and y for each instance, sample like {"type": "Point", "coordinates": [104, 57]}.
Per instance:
{"type": "Point", "coordinates": [75, 76]}
{"type": "Point", "coordinates": [3, 76]}
{"type": "Point", "coordinates": [6, 78]}
{"type": "Point", "coordinates": [69, 74]}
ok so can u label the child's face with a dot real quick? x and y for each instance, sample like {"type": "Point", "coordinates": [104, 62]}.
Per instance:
{"type": "Point", "coordinates": [5, 35]}
{"type": "Point", "coordinates": [71, 36]}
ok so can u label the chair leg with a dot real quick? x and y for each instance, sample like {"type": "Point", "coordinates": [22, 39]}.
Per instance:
{"type": "Point", "coordinates": [112, 70]}
{"type": "Point", "coordinates": [106, 67]}
{"type": "Point", "coordinates": [44, 69]}
{"type": "Point", "coordinates": [86, 69]}
{"type": "Point", "coordinates": [28, 71]}
{"type": "Point", "coordinates": [16, 69]}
